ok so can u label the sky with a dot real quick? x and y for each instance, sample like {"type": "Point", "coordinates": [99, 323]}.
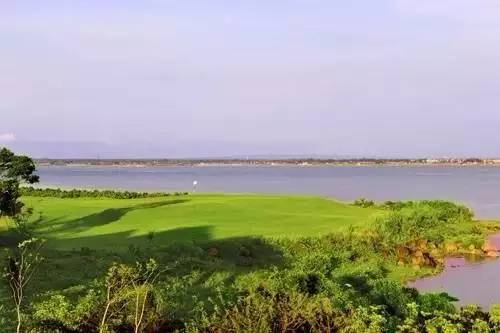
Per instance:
{"type": "Point", "coordinates": [197, 78]}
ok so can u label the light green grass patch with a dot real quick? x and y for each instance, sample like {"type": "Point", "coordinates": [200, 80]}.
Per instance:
{"type": "Point", "coordinates": [112, 223]}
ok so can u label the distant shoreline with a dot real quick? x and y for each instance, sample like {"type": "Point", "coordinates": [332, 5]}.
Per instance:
{"type": "Point", "coordinates": [141, 163]}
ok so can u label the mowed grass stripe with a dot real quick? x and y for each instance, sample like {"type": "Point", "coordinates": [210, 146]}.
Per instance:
{"type": "Point", "coordinates": [112, 223]}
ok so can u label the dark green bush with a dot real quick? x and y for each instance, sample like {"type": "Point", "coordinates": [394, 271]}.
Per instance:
{"type": "Point", "coordinates": [392, 296]}
{"type": "Point", "coordinates": [362, 202]}
{"type": "Point", "coordinates": [58, 193]}
{"type": "Point", "coordinates": [310, 283]}
{"type": "Point", "coordinates": [441, 302]}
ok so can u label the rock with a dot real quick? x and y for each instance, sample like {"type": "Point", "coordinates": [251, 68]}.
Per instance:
{"type": "Point", "coordinates": [429, 260]}
{"type": "Point", "coordinates": [450, 248]}
{"type": "Point", "coordinates": [488, 246]}
{"type": "Point", "coordinates": [417, 261]}
{"type": "Point", "coordinates": [493, 243]}
{"type": "Point", "coordinates": [402, 252]}
{"type": "Point", "coordinates": [435, 253]}
{"type": "Point", "coordinates": [477, 252]}
{"type": "Point", "coordinates": [493, 254]}
{"type": "Point", "coordinates": [422, 244]}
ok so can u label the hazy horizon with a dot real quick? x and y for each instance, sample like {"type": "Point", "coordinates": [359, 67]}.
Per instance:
{"type": "Point", "coordinates": [167, 79]}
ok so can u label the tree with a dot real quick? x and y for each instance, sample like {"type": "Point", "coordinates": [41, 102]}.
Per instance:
{"type": "Point", "coordinates": [21, 266]}
{"type": "Point", "coordinates": [14, 170]}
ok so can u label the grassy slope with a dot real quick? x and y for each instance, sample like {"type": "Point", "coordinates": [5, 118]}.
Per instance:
{"type": "Point", "coordinates": [229, 221]}
{"type": "Point", "coordinates": [110, 223]}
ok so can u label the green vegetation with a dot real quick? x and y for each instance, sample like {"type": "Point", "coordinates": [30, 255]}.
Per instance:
{"type": "Point", "coordinates": [234, 263]}
{"type": "Point", "coordinates": [79, 193]}
{"type": "Point", "coordinates": [14, 169]}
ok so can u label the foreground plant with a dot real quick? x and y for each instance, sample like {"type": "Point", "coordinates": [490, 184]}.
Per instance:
{"type": "Point", "coordinates": [21, 265]}
{"type": "Point", "coordinates": [143, 286]}
{"type": "Point", "coordinates": [125, 283]}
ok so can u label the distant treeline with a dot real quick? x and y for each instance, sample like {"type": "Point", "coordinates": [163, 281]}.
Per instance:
{"type": "Point", "coordinates": [264, 161]}
{"type": "Point", "coordinates": [229, 161]}
{"type": "Point", "coordinates": [75, 193]}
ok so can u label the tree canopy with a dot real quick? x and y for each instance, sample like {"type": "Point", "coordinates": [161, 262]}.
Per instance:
{"type": "Point", "coordinates": [14, 171]}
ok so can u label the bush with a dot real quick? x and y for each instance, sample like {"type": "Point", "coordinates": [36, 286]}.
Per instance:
{"type": "Point", "coordinates": [441, 302]}
{"type": "Point", "coordinates": [64, 194]}
{"type": "Point", "coordinates": [429, 220]}
{"type": "Point", "coordinates": [310, 284]}
{"type": "Point", "coordinates": [495, 317]}
{"type": "Point", "coordinates": [364, 203]}
{"type": "Point", "coordinates": [443, 210]}
{"type": "Point", "coordinates": [403, 226]}
{"type": "Point", "coordinates": [392, 296]}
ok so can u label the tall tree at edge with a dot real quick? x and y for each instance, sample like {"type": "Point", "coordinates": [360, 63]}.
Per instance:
{"type": "Point", "coordinates": [14, 170]}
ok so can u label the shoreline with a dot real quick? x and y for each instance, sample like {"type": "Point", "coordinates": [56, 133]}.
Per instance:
{"type": "Point", "coordinates": [270, 165]}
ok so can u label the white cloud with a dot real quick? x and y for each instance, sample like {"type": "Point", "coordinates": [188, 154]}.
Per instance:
{"type": "Point", "coordinates": [7, 137]}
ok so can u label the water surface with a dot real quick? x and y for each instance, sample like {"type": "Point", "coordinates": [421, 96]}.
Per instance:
{"type": "Point", "coordinates": [471, 282]}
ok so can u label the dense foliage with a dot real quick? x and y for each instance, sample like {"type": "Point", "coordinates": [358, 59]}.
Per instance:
{"type": "Point", "coordinates": [430, 220]}
{"type": "Point", "coordinates": [336, 283]}
{"type": "Point", "coordinates": [78, 193]}
{"type": "Point", "coordinates": [444, 210]}
{"type": "Point", "coordinates": [14, 170]}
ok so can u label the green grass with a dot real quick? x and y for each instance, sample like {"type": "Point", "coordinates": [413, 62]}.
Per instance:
{"type": "Point", "coordinates": [86, 235]}
{"type": "Point", "coordinates": [114, 224]}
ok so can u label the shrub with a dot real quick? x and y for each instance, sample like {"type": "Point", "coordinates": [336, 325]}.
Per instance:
{"type": "Point", "coordinates": [444, 210]}
{"type": "Point", "coordinates": [362, 202]}
{"type": "Point", "coordinates": [403, 226]}
{"type": "Point", "coordinates": [392, 296]}
{"type": "Point", "coordinates": [441, 302]}
{"type": "Point", "coordinates": [495, 317]}
{"type": "Point", "coordinates": [430, 220]}
{"type": "Point", "coordinates": [58, 193]}
{"type": "Point", "coordinates": [310, 283]}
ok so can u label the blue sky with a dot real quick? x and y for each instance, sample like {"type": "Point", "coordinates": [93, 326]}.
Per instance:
{"type": "Point", "coordinates": [221, 78]}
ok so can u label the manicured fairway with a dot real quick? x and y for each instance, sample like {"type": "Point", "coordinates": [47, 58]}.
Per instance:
{"type": "Point", "coordinates": [112, 223]}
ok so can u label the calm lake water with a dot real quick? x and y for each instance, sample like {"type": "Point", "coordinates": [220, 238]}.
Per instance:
{"type": "Point", "coordinates": [471, 282]}
{"type": "Point", "coordinates": [477, 187]}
